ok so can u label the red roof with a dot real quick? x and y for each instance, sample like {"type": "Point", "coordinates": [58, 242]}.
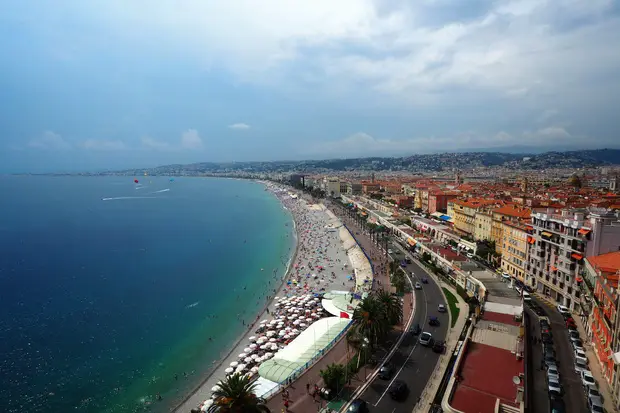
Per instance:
{"type": "Point", "coordinates": [500, 318]}
{"type": "Point", "coordinates": [512, 211]}
{"type": "Point", "coordinates": [486, 374]}
{"type": "Point", "coordinates": [609, 262]}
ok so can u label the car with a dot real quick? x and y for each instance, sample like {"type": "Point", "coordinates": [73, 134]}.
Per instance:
{"type": "Point", "coordinates": [577, 344]}
{"type": "Point", "coordinates": [581, 355]}
{"type": "Point", "coordinates": [556, 405]}
{"type": "Point", "coordinates": [390, 251]}
{"type": "Point", "coordinates": [385, 372]}
{"type": "Point", "coordinates": [418, 286]}
{"type": "Point", "coordinates": [415, 330]}
{"type": "Point", "coordinates": [569, 321]}
{"type": "Point", "coordinates": [592, 391]}
{"type": "Point", "coordinates": [439, 347]}
{"type": "Point", "coordinates": [398, 390]}
{"type": "Point", "coordinates": [546, 338]}
{"type": "Point", "coordinates": [426, 339]}
{"type": "Point", "coordinates": [433, 321]}
{"type": "Point", "coordinates": [580, 366]}
{"type": "Point", "coordinates": [403, 264]}
{"type": "Point", "coordinates": [595, 404]}
{"type": "Point", "coordinates": [408, 260]}
{"type": "Point", "coordinates": [546, 331]}
{"type": "Point", "coordinates": [554, 386]}
{"type": "Point", "coordinates": [553, 373]}
{"type": "Point", "coordinates": [572, 327]}
{"type": "Point", "coordinates": [469, 255]}
{"type": "Point", "coordinates": [358, 406]}
{"type": "Point", "coordinates": [550, 360]}
{"type": "Point", "coordinates": [518, 289]}
{"type": "Point", "coordinates": [573, 335]}
{"type": "Point", "coordinates": [587, 379]}
{"type": "Point", "coordinates": [544, 323]}
{"type": "Point", "coordinates": [563, 310]}
{"type": "Point", "coordinates": [424, 280]}
{"type": "Point", "coordinates": [548, 351]}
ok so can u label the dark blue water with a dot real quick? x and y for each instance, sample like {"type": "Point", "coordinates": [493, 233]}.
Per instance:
{"type": "Point", "coordinates": [104, 304]}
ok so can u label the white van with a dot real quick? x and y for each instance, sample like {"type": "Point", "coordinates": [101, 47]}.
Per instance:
{"type": "Point", "coordinates": [526, 296]}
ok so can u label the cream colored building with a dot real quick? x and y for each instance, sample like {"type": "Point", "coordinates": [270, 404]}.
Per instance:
{"type": "Point", "coordinates": [483, 223]}
{"type": "Point", "coordinates": [514, 249]}
{"type": "Point", "coordinates": [465, 213]}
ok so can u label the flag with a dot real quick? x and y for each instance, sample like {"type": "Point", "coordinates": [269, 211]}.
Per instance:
{"type": "Point", "coordinates": [344, 315]}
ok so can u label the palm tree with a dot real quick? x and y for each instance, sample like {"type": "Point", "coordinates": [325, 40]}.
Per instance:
{"type": "Point", "coordinates": [392, 306]}
{"type": "Point", "coordinates": [236, 395]}
{"type": "Point", "coordinates": [334, 376]}
{"type": "Point", "coordinates": [370, 320]}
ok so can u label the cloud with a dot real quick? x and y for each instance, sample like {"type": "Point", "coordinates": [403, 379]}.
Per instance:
{"type": "Point", "coordinates": [239, 126]}
{"type": "Point", "coordinates": [103, 145]}
{"type": "Point", "coordinates": [191, 139]}
{"type": "Point", "coordinates": [150, 143]}
{"type": "Point", "coordinates": [49, 141]}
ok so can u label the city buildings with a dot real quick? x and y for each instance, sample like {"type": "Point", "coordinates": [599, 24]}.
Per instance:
{"type": "Point", "coordinates": [560, 241]}
{"type": "Point", "coordinates": [514, 249]}
{"type": "Point", "coordinates": [502, 214]}
{"type": "Point", "coordinates": [464, 213]}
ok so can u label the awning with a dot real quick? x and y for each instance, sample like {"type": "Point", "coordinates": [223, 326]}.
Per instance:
{"type": "Point", "coordinates": [577, 256]}
{"type": "Point", "coordinates": [411, 241]}
{"type": "Point", "coordinates": [436, 214]}
{"type": "Point", "coordinates": [531, 240]}
{"type": "Point", "coordinates": [584, 231]}
{"type": "Point", "coordinates": [445, 218]}
{"type": "Point", "coordinates": [553, 268]}
{"type": "Point", "coordinates": [546, 234]}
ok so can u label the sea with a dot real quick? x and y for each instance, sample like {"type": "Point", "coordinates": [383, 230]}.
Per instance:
{"type": "Point", "coordinates": [112, 291]}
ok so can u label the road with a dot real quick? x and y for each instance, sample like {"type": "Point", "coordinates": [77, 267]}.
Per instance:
{"type": "Point", "coordinates": [412, 363]}
{"type": "Point", "coordinates": [574, 396]}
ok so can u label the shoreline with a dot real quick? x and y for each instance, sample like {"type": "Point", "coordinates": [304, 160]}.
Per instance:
{"type": "Point", "coordinates": [262, 313]}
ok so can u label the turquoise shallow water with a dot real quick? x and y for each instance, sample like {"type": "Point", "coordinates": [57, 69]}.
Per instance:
{"type": "Point", "coordinates": [104, 304]}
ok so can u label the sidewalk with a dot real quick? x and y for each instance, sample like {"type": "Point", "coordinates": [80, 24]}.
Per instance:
{"type": "Point", "coordinates": [299, 399]}
{"type": "Point", "coordinates": [451, 340]}
{"type": "Point", "coordinates": [593, 363]}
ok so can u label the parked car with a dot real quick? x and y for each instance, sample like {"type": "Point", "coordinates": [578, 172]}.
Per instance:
{"type": "Point", "coordinates": [408, 260]}
{"type": "Point", "coordinates": [470, 255]}
{"type": "Point", "coordinates": [563, 310]}
{"type": "Point", "coordinates": [556, 405]}
{"type": "Point", "coordinates": [553, 373]}
{"type": "Point", "coordinates": [592, 391]}
{"type": "Point", "coordinates": [385, 372]}
{"type": "Point", "coordinates": [358, 406]}
{"type": "Point", "coordinates": [439, 347]}
{"type": "Point", "coordinates": [546, 338]}
{"type": "Point", "coordinates": [433, 321]}
{"type": "Point", "coordinates": [544, 323]}
{"type": "Point", "coordinates": [548, 352]}
{"type": "Point", "coordinates": [441, 308]}
{"type": "Point", "coordinates": [398, 390]}
{"type": "Point", "coordinates": [418, 286]}
{"type": "Point", "coordinates": [570, 320]}
{"type": "Point", "coordinates": [573, 335]}
{"type": "Point", "coordinates": [581, 356]}
{"type": "Point", "coordinates": [595, 404]}
{"type": "Point", "coordinates": [416, 329]}
{"type": "Point", "coordinates": [587, 379]}
{"type": "Point", "coordinates": [550, 360]}
{"type": "Point", "coordinates": [554, 386]}
{"type": "Point", "coordinates": [580, 366]}
{"type": "Point", "coordinates": [426, 339]}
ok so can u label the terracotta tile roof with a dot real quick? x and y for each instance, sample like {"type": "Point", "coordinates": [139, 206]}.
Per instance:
{"type": "Point", "coordinates": [512, 211]}
{"type": "Point", "coordinates": [474, 202]}
{"type": "Point", "coordinates": [609, 262]}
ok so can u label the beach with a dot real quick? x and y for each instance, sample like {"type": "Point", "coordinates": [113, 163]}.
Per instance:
{"type": "Point", "coordinates": [320, 263]}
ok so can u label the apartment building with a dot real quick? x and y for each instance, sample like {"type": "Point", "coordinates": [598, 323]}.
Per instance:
{"type": "Point", "coordinates": [438, 200]}
{"type": "Point", "coordinates": [331, 186]}
{"type": "Point", "coordinates": [483, 222]}
{"type": "Point", "coordinates": [557, 247]}
{"type": "Point", "coordinates": [354, 188]}
{"type": "Point", "coordinates": [502, 214]}
{"type": "Point", "coordinates": [514, 249]}
{"type": "Point", "coordinates": [369, 187]}
{"type": "Point", "coordinates": [464, 213]}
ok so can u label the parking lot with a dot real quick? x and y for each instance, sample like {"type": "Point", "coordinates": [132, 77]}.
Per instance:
{"type": "Point", "coordinates": [573, 395]}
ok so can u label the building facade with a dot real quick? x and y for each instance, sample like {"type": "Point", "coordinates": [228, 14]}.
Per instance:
{"type": "Point", "coordinates": [558, 245]}
{"type": "Point", "coordinates": [483, 221]}
{"type": "Point", "coordinates": [514, 247]}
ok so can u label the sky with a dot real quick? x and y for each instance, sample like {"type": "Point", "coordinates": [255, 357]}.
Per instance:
{"type": "Point", "coordinates": [109, 84]}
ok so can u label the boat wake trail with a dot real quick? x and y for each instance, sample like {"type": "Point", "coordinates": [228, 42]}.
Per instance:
{"type": "Point", "coordinates": [160, 191]}
{"type": "Point", "coordinates": [128, 197]}
{"type": "Point", "coordinates": [192, 305]}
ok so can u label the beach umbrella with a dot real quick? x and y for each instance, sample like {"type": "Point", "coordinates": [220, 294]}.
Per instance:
{"type": "Point", "coordinates": [208, 403]}
{"type": "Point", "coordinates": [272, 340]}
{"type": "Point", "coordinates": [296, 322]}
{"type": "Point", "coordinates": [253, 338]}
{"type": "Point", "coordinates": [229, 370]}
{"type": "Point", "coordinates": [215, 388]}
{"type": "Point", "coordinates": [234, 364]}
{"type": "Point", "coordinates": [254, 369]}
{"type": "Point", "coordinates": [256, 356]}
{"type": "Point", "coordinates": [286, 337]}
{"type": "Point", "coordinates": [247, 350]}
{"type": "Point", "coordinates": [253, 346]}
{"type": "Point", "coordinates": [303, 325]}
{"type": "Point", "coordinates": [242, 355]}
{"type": "Point", "coordinates": [308, 319]}
{"type": "Point", "coordinates": [248, 360]}
{"type": "Point", "coordinates": [263, 347]}
{"type": "Point", "coordinates": [268, 355]}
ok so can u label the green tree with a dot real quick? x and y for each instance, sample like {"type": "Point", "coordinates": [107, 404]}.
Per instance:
{"type": "Point", "coordinates": [236, 395]}
{"type": "Point", "coordinates": [392, 306]}
{"type": "Point", "coordinates": [370, 321]}
{"type": "Point", "coordinates": [334, 377]}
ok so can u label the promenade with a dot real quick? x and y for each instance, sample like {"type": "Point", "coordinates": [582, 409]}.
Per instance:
{"type": "Point", "coordinates": [300, 401]}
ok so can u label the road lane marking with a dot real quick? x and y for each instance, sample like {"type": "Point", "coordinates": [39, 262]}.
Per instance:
{"type": "Point", "coordinates": [410, 353]}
